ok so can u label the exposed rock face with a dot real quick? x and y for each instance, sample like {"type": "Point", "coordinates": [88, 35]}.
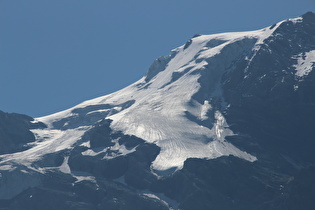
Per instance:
{"type": "Point", "coordinates": [15, 132]}
{"type": "Point", "coordinates": [269, 101]}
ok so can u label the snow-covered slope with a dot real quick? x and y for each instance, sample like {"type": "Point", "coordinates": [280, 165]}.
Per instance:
{"type": "Point", "coordinates": [167, 107]}
{"type": "Point", "coordinates": [305, 63]}
{"type": "Point", "coordinates": [159, 111]}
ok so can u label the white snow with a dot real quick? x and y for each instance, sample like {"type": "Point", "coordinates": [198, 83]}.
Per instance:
{"type": "Point", "coordinates": [65, 166]}
{"type": "Point", "coordinates": [159, 113]}
{"type": "Point", "coordinates": [7, 168]}
{"type": "Point", "coordinates": [49, 141]}
{"type": "Point", "coordinates": [111, 152]}
{"type": "Point", "coordinates": [101, 110]}
{"type": "Point", "coordinates": [296, 20]}
{"type": "Point", "coordinates": [305, 63]}
{"type": "Point", "coordinates": [204, 110]}
{"type": "Point", "coordinates": [84, 177]}
{"type": "Point", "coordinates": [172, 204]}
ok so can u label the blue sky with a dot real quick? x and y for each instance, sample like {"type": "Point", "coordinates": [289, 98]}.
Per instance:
{"type": "Point", "coordinates": [56, 54]}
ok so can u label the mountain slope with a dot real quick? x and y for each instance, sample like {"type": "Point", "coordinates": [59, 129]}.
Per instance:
{"type": "Point", "coordinates": [162, 108]}
{"type": "Point", "coordinates": [223, 122]}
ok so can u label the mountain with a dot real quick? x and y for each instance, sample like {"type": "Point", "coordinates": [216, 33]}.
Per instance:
{"type": "Point", "coordinates": [223, 122]}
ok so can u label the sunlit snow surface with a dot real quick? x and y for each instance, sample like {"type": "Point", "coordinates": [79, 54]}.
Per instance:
{"type": "Point", "coordinates": [305, 63]}
{"type": "Point", "coordinates": [158, 114]}
{"type": "Point", "coordinates": [160, 105]}
{"type": "Point", "coordinates": [49, 141]}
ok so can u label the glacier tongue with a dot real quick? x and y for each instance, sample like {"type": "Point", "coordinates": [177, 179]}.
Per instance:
{"type": "Point", "coordinates": [159, 114]}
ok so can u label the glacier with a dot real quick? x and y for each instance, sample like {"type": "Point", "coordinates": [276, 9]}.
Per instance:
{"type": "Point", "coordinates": [163, 107]}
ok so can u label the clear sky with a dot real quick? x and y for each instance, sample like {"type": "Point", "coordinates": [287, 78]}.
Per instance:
{"type": "Point", "coordinates": [55, 54]}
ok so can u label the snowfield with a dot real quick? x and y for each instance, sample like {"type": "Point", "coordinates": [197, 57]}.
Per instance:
{"type": "Point", "coordinates": [305, 63]}
{"type": "Point", "coordinates": [156, 107]}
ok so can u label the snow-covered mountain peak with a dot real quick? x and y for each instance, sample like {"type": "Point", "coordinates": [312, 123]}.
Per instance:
{"type": "Point", "coordinates": [178, 105]}
{"type": "Point", "coordinates": [162, 108]}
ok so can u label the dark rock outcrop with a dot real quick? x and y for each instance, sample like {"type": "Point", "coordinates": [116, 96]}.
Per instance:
{"type": "Point", "coordinates": [15, 132]}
